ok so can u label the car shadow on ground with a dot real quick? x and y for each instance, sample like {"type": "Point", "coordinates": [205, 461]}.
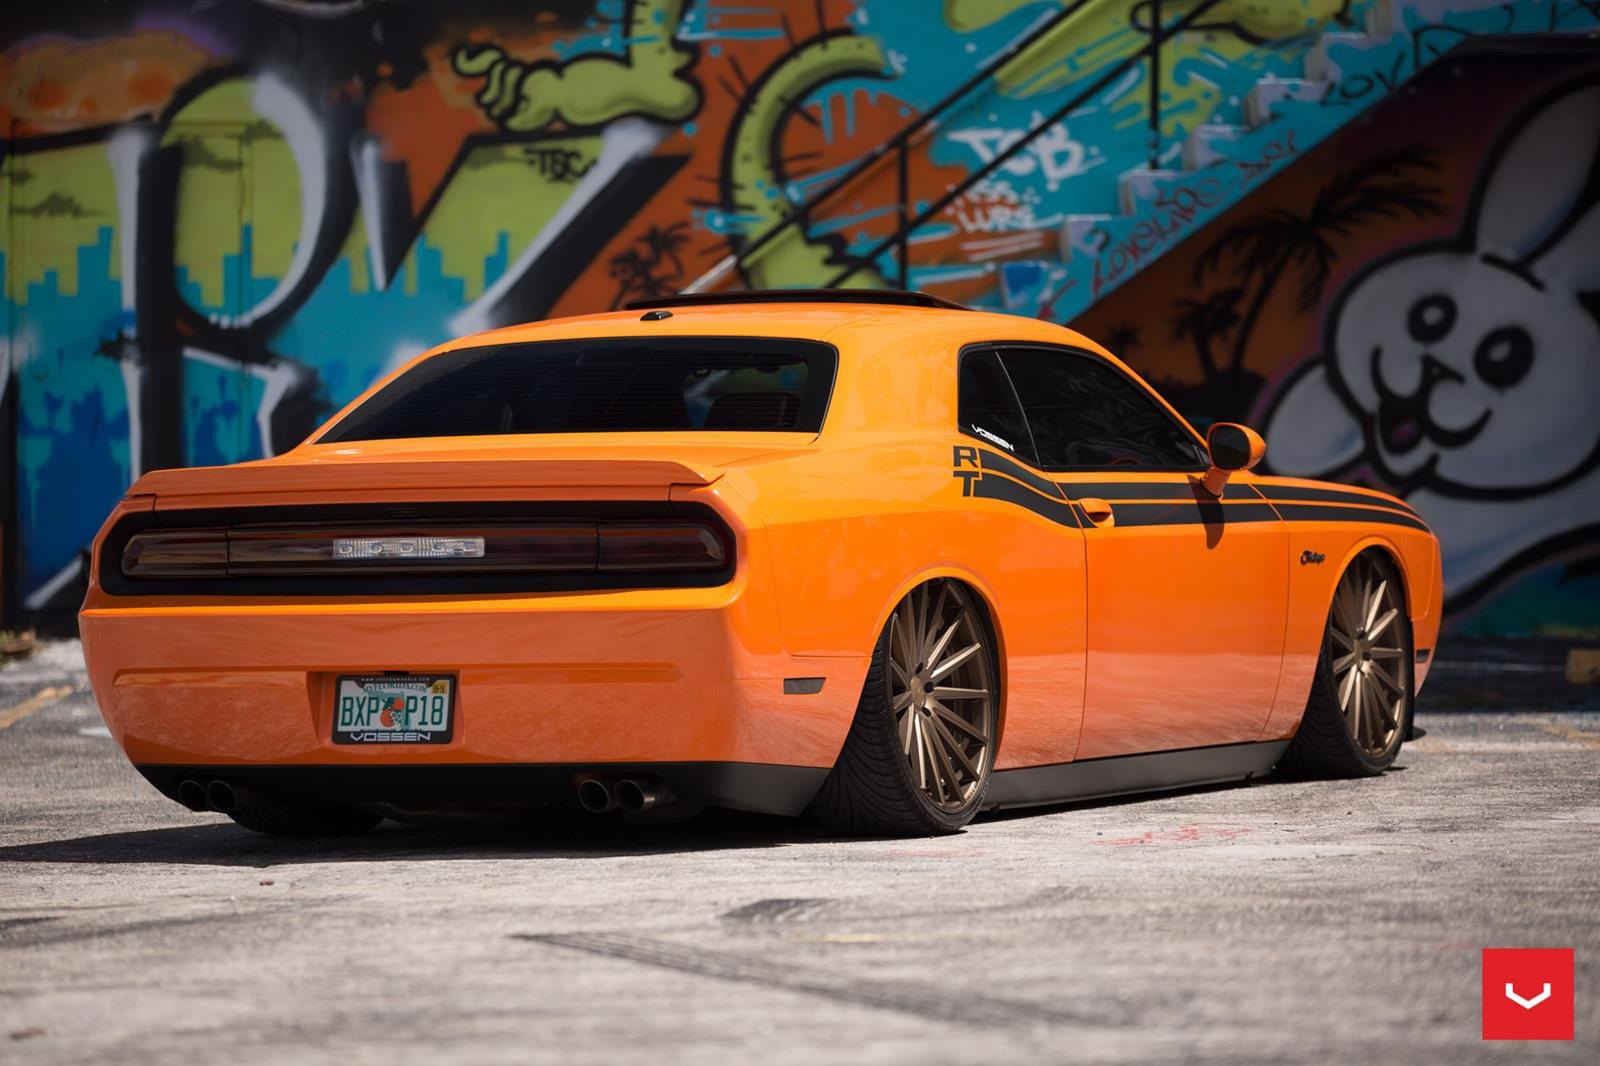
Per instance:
{"type": "Point", "coordinates": [555, 837]}
{"type": "Point", "coordinates": [551, 834]}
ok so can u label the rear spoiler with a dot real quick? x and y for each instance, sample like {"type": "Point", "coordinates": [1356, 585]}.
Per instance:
{"type": "Point", "coordinates": [449, 476]}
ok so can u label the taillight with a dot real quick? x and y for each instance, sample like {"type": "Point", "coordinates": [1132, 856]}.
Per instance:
{"type": "Point", "coordinates": [676, 546]}
{"type": "Point", "coordinates": [570, 547]}
{"type": "Point", "coordinates": [185, 553]}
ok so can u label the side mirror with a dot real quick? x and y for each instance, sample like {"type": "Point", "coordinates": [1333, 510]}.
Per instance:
{"type": "Point", "coordinates": [1232, 447]}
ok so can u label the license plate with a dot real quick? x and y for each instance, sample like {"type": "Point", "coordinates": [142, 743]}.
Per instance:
{"type": "Point", "coordinates": [394, 709]}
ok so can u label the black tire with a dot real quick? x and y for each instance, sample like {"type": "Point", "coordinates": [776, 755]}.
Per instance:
{"type": "Point", "coordinates": [872, 791]}
{"type": "Point", "coordinates": [1323, 746]}
{"type": "Point", "coordinates": [290, 818]}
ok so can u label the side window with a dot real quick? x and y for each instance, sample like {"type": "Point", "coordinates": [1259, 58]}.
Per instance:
{"type": "Point", "coordinates": [1083, 413]}
{"type": "Point", "coordinates": [987, 407]}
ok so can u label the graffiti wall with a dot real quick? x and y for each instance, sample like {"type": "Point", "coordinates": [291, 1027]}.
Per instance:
{"type": "Point", "coordinates": [1415, 305]}
{"type": "Point", "coordinates": [219, 222]}
{"type": "Point", "coordinates": [223, 220]}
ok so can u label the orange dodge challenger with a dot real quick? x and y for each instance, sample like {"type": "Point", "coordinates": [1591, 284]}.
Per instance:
{"type": "Point", "coordinates": [869, 554]}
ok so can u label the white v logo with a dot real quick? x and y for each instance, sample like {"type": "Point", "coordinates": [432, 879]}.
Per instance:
{"type": "Point", "coordinates": [1527, 1004]}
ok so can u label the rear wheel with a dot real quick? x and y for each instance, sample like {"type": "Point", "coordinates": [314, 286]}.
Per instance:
{"type": "Point", "coordinates": [1361, 697]}
{"type": "Point", "coordinates": [291, 818]}
{"type": "Point", "coordinates": [920, 752]}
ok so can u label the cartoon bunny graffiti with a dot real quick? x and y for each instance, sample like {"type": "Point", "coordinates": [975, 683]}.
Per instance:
{"type": "Point", "coordinates": [1466, 372]}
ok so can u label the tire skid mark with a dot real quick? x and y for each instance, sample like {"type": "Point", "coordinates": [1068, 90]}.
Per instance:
{"type": "Point", "coordinates": [776, 910]}
{"type": "Point", "coordinates": [52, 930]}
{"type": "Point", "coordinates": [922, 1001]}
{"type": "Point", "coordinates": [8, 925]}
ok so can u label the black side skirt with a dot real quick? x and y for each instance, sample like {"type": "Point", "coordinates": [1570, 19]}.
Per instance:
{"type": "Point", "coordinates": [1119, 775]}
{"type": "Point", "coordinates": [767, 789]}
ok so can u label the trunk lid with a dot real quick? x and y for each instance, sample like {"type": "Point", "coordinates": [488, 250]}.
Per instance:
{"type": "Point", "coordinates": [510, 468]}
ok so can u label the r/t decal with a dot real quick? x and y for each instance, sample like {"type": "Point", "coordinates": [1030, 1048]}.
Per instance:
{"type": "Point", "coordinates": [966, 467]}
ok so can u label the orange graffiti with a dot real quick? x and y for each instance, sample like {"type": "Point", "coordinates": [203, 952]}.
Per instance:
{"type": "Point", "coordinates": [63, 85]}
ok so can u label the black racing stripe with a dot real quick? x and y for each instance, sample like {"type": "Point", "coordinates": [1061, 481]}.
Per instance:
{"type": "Point", "coordinates": [1129, 490]}
{"type": "Point", "coordinates": [996, 461]}
{"type": "Point", "coordinates": [995, 486]}
{"type": "Point", "coordinates": [1211, 513]}
{"type": "Point", "coordinates": [1148, 490]}
{"type": "Point", "coordinates": [1323, 512]}
{"type": "Point", "coordinates": [1310, 495]}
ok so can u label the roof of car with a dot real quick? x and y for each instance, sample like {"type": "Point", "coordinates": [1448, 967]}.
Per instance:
{"type": "Point", "coordinates": [874, 336]}
{"type": "Point", "coordinates": [896, 297]}
{"type": "Point", "coordinates": [795, 314]}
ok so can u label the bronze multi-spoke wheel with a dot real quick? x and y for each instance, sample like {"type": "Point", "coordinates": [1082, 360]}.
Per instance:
{"type": "Point", "coordinates": [1369, 663]}
{"type": "Point", "coordinates": [942, 693]}
{"type": "Point", "coordinates": [921, 748]}
{"type": "Point", "coordinates": [1360, 703]}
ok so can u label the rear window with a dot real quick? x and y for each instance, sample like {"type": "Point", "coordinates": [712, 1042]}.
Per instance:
{"type": "Point", "coordinates": [603, 386]}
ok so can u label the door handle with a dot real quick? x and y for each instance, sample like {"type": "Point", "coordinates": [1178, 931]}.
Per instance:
{"type": "Point", "coordinates": [1098, 510]}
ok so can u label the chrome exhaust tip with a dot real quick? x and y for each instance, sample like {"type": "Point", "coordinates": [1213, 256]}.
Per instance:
{"type": "Point", "coordinates": [596, 796]}
{"type": "Point", "coordinates": [192, 794]}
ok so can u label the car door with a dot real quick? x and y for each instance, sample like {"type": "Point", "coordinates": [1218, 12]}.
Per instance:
{"type": "Point", "coordinates": [1032, 545]}
{"type": "Point", "coordinates": [1187, 595]}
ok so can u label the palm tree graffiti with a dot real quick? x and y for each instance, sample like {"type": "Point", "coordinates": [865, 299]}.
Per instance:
{"type": "Point", "coordinates": [1205, 320]}
{"type": "Point", "coordinates": [653, 267]}
{"type": "Point", "coordinates": [1123, 337]}
{"type": "Point", "coordinates": [1260, 251]}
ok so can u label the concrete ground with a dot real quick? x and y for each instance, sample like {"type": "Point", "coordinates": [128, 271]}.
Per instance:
{"type": "Point", "coordinates": [1309, 922]}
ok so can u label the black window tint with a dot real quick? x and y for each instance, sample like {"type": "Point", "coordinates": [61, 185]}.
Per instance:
{"type": "Point", "coordinates": [1086, 414]}
{"type": "Point", "coordinates": [987, 406]}
{"type": "Point", "coordinates": [602, 387]}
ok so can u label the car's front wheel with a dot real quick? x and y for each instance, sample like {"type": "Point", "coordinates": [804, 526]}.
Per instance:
{"type": "Point", "coordinates": [920, 751]}
{"type": "Point", "coordinates": [1361, 697]}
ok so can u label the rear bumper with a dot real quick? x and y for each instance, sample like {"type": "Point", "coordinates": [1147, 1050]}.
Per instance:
{"type": "Point", "coordinates": [547, 685]}
{"type": "Point", "coordinates": [769, 789]}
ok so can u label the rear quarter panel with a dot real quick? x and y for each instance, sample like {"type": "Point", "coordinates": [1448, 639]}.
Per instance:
{"type": "Point", "coordinates": [852, 527]}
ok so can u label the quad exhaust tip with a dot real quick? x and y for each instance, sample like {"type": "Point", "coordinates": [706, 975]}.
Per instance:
{"type": "Point", "coordinates": [635, 797]}
{"type": "Point", "coordinates": [630, 795]}
{"type": "Point", "coordinates": [596, 796]}
{"type": "Point", "coordinates": [217, 795]}
{"type": "Point", "coordinates": [225, 796]}
{"type": "Point", "coordinates": [192, 794]}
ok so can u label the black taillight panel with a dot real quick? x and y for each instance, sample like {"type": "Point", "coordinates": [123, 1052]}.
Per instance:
{"type": "Point", "coordinates": [424, 549]}
{"type": "Point", "coordinates": [184, 553]}
{"type": "Point", "coordinates": [677, 546]}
